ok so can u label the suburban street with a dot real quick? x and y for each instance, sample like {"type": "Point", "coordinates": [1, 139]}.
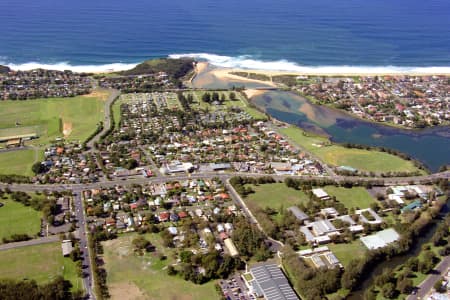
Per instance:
{"type": "Point", "coordinates": [84, 246]}
{"type": "Point", "coordinates": [107, 121]}
{"type": "Point", "coordinates": [425, 287]}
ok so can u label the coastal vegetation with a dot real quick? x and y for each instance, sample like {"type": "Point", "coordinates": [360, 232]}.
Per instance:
{"type": "Point", "coordinates": [174, 68]}
{"type": "Point", "coordinates": [338, 155]}
{"type": "Point", "coordinates": [4, 69]}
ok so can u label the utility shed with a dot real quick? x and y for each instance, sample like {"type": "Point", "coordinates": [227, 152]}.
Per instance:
{"type": "Point", "coordinates": [271, 283]}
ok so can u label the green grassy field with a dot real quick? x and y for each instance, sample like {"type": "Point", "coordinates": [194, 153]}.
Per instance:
{"type": "Point", "coordinates": [19, 162]}
{"type": "Point", "coordinates": [240, 102]}
{"type": "Point", "coordinates": [41, 263]}
{"type": "Point", "coordinates": [48, 117]}
{"type": "Point", "coordinates": [145, 277]}
{"type": "Point", "coordinates": [353, 197]}
{"type": "Point", "coordinates": [346, 252]}
{"type": "Point", "coordinates": [275, 195]}
{"type": "Point", "coordinates": [16, 218]}
{"type": "Point", "coordinates": [335, 155]}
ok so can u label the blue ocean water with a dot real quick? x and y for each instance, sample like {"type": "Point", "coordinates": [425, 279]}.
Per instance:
{"type": "Point", "coordinates": [279, 34]}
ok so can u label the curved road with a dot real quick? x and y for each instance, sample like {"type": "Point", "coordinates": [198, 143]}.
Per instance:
{"type": "Point", "coordinates": [107, 122]}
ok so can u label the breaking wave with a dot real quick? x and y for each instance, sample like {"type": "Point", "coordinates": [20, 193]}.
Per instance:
{"type": "Point", "coordinates": [240, 62]}
{"type": "Point", "coordinates": [75, 68]}
{"type": "Point", "coordinates": [248, 62]}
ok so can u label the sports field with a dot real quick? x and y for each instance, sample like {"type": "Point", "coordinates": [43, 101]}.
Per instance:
{"type": "Point", "coordinates": [19, 162]}
{"type": "Point", "coordinates": [41, 263]}
{"type": "Point", "coordinates": [356, 197]}
{"type": "Point", "coordinates": [74, 118]}
{"type": "Point", "coordinates": [335, 155]}
{"type": "Point", "coordinates": [145, 277]}
{"type": "Point", "coordinates": [275, 195]}
{"type": "Point", "coordinates": [16, 218]}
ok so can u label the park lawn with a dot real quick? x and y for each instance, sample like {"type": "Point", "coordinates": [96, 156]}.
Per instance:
{"type": "Point", "coordinates": [173, 103]}
{"type": "Point", "coordinates": [275, 195]}
{"type": "Point", "coordinates": [48, 117]}
{"type": "Point", "coordinates": [116, 110]}
{"type": "Point", "coordinates": [346, 252]}
{"type": "Point", "coordinates": [240, 102]}
{"type": "Point", "coordinates": [144, 277]}
{"type": "Point", "coordinates": [16, 218]}
{"type": "Point", "coordinates": [356, 197]}
{"type": "Point", "coordinates": [40, 262]}
{"type": "Point", "coordinates": [336, 155]}
{"type": "Point", "coordinates": [19, 162]}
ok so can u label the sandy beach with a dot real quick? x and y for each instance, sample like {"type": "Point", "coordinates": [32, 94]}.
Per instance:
{"type": "Point", "coordinates": [222, 72]}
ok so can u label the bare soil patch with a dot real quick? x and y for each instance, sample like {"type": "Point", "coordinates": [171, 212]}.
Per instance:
{"type": "Point", "coordinates": [67, 128]}
{"type": "Point", "coordinates": [126, 291]}
{"type": "Point", "coordinates": [99, 94]}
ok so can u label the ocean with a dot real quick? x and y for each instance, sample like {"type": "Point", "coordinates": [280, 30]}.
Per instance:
{"type": "Point", "coordinates": [296, 35]}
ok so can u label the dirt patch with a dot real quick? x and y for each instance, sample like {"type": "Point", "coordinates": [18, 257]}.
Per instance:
{"type": "Point", "coordinates": [99, 94]}
{"type": "Point", "coordinates": [126, 291]}
{"type": "Point", "coordinates": [67, 129]}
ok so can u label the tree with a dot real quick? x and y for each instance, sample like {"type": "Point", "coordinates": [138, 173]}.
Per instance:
{"type": "Point", "coordinates": [388, 290]}
{"type": "Point", "coordinates": [439, 287]}
{"type": "Point", "coordinates": [405, 286]}
{"type": "Point", "coordinates": [38, 168]}
{"type": "Point", "coordinates": [171, 270]}
{"type": "Point", "coordinates": [140, 243]}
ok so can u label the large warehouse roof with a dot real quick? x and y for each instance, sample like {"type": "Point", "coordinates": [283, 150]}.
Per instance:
{"type": "Point", "coordinates": [272, 283]}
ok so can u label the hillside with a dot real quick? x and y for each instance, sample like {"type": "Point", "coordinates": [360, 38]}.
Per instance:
{"type": "Point", "coordinates": [4, 69]}
{"type": "Point", "coordinates": [175, 68]}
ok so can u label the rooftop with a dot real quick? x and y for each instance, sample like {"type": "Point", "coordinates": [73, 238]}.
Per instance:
{"type": "Point", "coordinates": [272, 283]}
{"type": "Point", "coordinates": [380, 239]}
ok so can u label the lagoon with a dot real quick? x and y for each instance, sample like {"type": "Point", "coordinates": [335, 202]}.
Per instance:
{"type": "Point", "coordinates": [431, 146]}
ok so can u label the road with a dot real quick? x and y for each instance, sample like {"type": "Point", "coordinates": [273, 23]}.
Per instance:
{"type": "Point", "coordinates": [39, 241]}
{"type": "Point", "coordinates": [238, 200]}
{"type": "Point", "coordinates": [425, 287]}
{"type": "Point", "coordinates": [222, 175]}
{"type": "Point", "coordinates": [88, 279]}
{"type": "Point", "coordinates": [107, 122]}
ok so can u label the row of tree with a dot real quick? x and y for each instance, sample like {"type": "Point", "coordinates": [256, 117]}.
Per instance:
{"type": "Point", "coordinates": [58, 289]}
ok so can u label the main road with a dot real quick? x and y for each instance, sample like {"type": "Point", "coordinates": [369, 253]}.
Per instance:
{"type": "Point", "coordinates": [88, 276]}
